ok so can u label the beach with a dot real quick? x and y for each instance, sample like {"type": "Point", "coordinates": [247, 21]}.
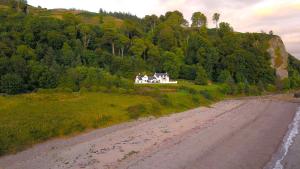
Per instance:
{"type": "Point", "coordinates": [231, 134]}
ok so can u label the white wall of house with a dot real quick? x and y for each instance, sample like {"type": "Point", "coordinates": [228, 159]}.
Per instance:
{"type": "Point", "coordinates": [158, 78]}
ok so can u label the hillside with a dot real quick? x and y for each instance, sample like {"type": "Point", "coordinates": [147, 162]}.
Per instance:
{"type": "Point", "coordinates": [43, 48]}
{"type": "Point", "coordinates": [67, 71]}
{"type": "Point", "coordinates": [75, 49]}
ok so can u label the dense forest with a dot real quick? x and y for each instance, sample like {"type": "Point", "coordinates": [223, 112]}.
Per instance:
{"type": "Point", "coordinates": [73, 49]}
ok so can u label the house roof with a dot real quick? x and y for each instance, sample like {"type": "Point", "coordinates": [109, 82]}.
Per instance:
{"type": "Point", "coordinates": [151, 78]}
{"type": "Point", "coordinates": [160, 74]}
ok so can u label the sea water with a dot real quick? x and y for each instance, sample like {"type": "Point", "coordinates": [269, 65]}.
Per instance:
{"type": "Point", "coordinates": [288, 140]}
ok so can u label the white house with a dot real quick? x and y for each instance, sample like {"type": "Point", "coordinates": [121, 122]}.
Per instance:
{"type": "Point", "coordinates": [162, 78]}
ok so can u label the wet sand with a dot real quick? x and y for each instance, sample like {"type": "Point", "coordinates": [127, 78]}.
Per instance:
{"type": "Point", "coordinates": [232, 134]}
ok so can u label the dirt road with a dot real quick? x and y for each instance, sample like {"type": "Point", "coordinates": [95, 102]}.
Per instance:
{"type": "Point", "coordinates": [233, 134]}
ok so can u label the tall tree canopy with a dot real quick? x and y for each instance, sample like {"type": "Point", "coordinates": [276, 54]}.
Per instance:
{"type": "Point", "coordinates": [40, 49]}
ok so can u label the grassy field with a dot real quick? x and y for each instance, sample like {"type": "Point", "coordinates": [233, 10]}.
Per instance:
{"type": "Point", "coordinates": [28, 119]}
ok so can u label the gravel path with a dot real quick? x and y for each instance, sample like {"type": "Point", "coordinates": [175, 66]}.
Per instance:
{"type": "Point", "coordinates": [233, 134]}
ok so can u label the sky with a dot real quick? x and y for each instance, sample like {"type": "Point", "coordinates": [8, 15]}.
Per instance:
{"type": "Point", "coordinates": [280, 16]}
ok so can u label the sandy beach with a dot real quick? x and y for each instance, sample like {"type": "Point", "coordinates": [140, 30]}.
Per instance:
{"type": "Point", "coordinates": [232, 134]}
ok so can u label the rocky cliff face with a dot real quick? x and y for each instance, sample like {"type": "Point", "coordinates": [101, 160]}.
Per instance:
{"type": "Point", "coordinates": [279, 57]}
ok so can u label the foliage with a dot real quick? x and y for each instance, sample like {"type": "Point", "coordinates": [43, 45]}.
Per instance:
{"type": "Point", "coordinates": [201, 78]}
{"type": "Point", "coordinates": [71, 51]}
{"type": "Point", "coordinates": [11, 84]}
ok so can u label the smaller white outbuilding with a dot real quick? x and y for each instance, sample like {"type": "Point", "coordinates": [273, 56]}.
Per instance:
{"type": "Point", "coordinates": [162, 78]}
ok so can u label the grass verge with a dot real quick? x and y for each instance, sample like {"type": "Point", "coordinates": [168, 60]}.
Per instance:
{"type": "Point", "coordinates": [28, 119]}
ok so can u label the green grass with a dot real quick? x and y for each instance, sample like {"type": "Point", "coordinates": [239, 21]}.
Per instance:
{"type": "Point", "coordinates": [28, 119]}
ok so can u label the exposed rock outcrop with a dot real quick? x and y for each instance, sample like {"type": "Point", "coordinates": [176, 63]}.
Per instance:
{"type": "Point", "coordinates": [279, 57]}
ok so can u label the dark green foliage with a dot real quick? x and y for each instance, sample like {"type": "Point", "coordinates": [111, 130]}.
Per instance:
{"type": "Point", "coordinates": [134, 112]}
{"type": "Point", "coordinates": [140, 110]}
{"type": "Point", "coordinates": [225, 77]}
{"type": "Point", "coordinates": [11, 84]}
{"type": "Point", "coordinates": [206, 94]}
{"type": "Point", "coordinates": [44, 50]}
{"type": "Point", "coordinates": [294, 73]}
{"type": "Point", "coordinates": [201, 78]}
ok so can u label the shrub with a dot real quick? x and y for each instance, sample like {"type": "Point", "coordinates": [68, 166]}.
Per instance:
{"type": "Point", "coordinates": [188, 89]}
{"type": "Point", "coordinates": [164, 100]}
{"type": "Point", "coordinates": [11, 84]}
{"type": "Point", "coordinates": [136, 111]}
{"type": "Point", "coordinates": [270, 88]}
{"type": "Point", "coordinates": [201, 78]}
{"type": "Point", "coordinates": [286, 84]}
{"type": "Point", "coordinates": [225, 77]}
{"type": "Point", "coordinates": [206, 94]}
{"type": "Point", "coordinates": [229, 89]}
{"type": "Point", "coordinates": [253, 90]}
{"type": "Point", "coordinates": [241, 87]}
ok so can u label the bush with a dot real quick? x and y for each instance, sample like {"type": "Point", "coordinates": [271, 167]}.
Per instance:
{"type": "Point", "coordinates": [164, 100]}
{"type": "Point", "coordinates": [253, 90]}
{"type": "Point", "coordinates": [229, 89]}
{"type": "Point", "coordinates": [201, 78]}
{"type": "Point", "coordinates": [136, 111]}
{"type": "Point", "coordinates": [188, 89]}
{"type": "Point", "coordinates": [286, 84]}
{"type": "Point", "coordinates": [271, 88]}
{"type": "Point", "coordinates": [225, 77]}
{"type": "Point", "coordinates": [206, 94]}
{"type": "Point", "coordinates": [11, 84]}
{"type": "Point", "coordinates": [241, 87]}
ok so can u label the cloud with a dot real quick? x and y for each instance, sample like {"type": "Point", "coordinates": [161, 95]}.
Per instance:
{"type": "Point", "coordinates": [281, 16]}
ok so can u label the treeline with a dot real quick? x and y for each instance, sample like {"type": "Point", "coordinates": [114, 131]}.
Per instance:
{"type": "Point", "coordinates": [66, 52]}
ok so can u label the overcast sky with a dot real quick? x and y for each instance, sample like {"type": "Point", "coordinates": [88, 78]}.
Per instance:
{"type": "Point", "coordinates": [281, 16]}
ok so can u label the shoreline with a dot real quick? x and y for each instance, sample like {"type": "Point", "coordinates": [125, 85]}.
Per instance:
{"type": "Point", "coordinates": [141, 144]}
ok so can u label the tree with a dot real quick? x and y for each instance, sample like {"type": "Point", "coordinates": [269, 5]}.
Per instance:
{"type": "Point", "coordinates": [188, 72]}
{"type": "Point", "coordinates": [166, 38]}
{"type": "Point", "coordinates": [123, 42]}
{"type": "Point", "coordinates": [11, 83]}
{"type": "Point", "coordinates": [225, 77]}
{"type": "Point", "coordinates": [201, 77]}
{"type": "Point", "coordinates": [110, 35]}
{"type": "Point", "coordinates": [154, 58]}
{"type": "Point", "coordinates": [138, 47]}
{"type": "Point", "coordinates": [18, 65]}
{"type": "Point", "coordinates": [225, 29]}
{"type": "Point", "coordinates": [23, 5]}
{"type": "Point", "coordinates": [171, 64]}
{"type": "Point", "coordinates": [175, 18]}
{"type": "Point", "coordinates": [55, 39]}
{"type": "Point", "coordinates": [150, 21]}
{"type": "Point", "coordinates": [26, 52]}
{"type": "Point", "coordinates": [216, 18]}
{"type": "Point", "coordinates": [199, 20]}
{"type": "Point", "coordinates": [85, 31]}
{"type": "Point", "coordinates": [68, 55]}
{"type": "Point", "coordinates": [18, 5]}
